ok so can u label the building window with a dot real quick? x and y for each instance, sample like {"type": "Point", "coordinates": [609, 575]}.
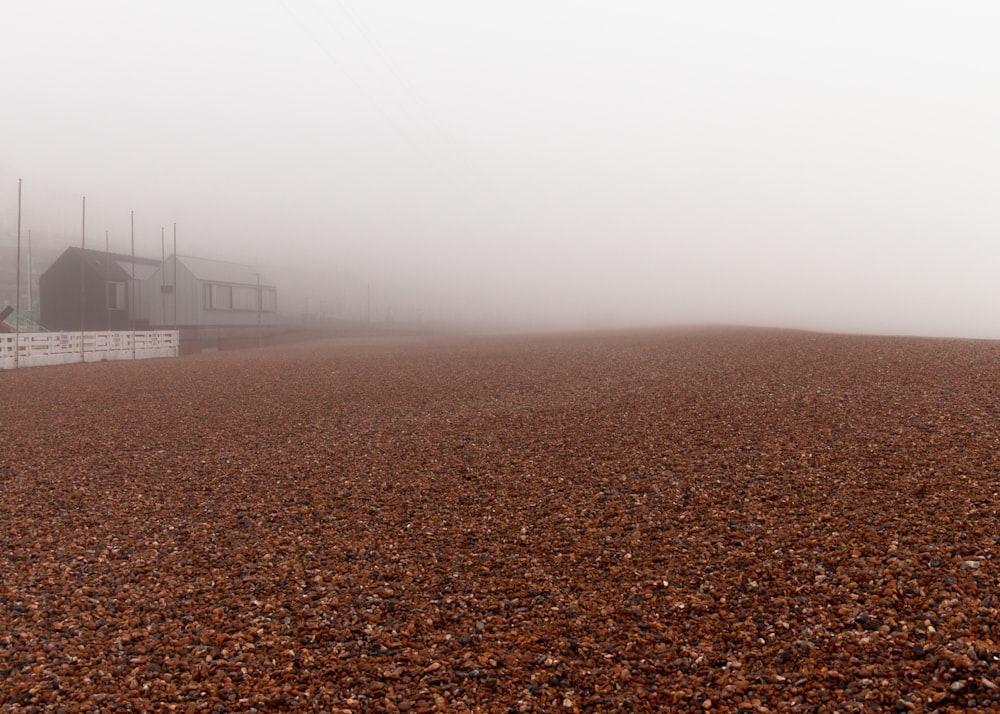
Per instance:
{"type": "Point", "coordinates": [269, 299]}
{"type": "Point", "coordinates": [218, 297]}
{"type": "Point", "coordinates": [116, 295]}
{"type": "Point", "coordinates": [245, 298]}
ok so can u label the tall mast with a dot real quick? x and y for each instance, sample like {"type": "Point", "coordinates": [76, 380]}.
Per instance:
{"type": "Point", "coordinates": [83, 282]}
{"type": "Point", "coordinates": [175, 277]}
{"type": "Point", "coordinates": [31, 272]}
{"type": "Point", "coordinates": [163, 268]}
{"type": "Point", "coordinates": [107, 276]}
{"type": "Point", "coordinates": [17, 298]}
{"type": "Point", "coordinates": [131, 299]}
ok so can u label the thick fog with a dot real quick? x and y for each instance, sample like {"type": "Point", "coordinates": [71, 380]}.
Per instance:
{"type": "Point", "coordinates": [530, 163]}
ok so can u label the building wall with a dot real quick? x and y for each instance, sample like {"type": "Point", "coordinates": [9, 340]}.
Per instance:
{"type": "Point", "coordinates": [60, 296]}
{"type": "Point", "coordinates": [207, 315]}
{"type": "Point", "coordinates": [168, 312]}
{"type": "Point", "coordinates": [192, 309]}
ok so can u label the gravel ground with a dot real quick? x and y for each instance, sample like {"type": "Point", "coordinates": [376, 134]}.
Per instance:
{"type": "Point", "coordinates": [732, 520]}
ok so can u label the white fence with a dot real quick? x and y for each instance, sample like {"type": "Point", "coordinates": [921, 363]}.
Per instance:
{"type": "Point", "coordinates": [35, 349]}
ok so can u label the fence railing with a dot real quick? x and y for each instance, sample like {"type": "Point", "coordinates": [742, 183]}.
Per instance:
{"type": "Point", "coordinates": [36, 349]}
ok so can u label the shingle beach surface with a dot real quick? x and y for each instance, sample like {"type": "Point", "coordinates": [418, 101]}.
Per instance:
{"type": "Point", "coordinates": [715, 520]}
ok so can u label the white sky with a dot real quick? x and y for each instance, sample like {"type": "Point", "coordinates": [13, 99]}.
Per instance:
{"type": "Point", "coordinates": [820, 165]}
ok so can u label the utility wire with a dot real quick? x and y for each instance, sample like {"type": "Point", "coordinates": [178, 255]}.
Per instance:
{"type": "Point", "coordinates": [436, 151]}
{"type": "Point", "coordinates": [375, 104]}
{"type": "Point", "coordinates": [401, 79]}
{"type": "Point", "coordinates": [335, 25]}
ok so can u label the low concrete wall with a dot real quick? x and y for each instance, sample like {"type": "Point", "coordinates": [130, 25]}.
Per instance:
{"type": "Point", "coordinates": [38, 349]}
{"type": "Point", "coordinates": [207, 333]}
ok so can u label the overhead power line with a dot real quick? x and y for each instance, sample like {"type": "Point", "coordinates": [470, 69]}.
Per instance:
{"type": "Point", "coordinates": [352, 79]}
{"type": "Point", "coordinates": [399, 76]}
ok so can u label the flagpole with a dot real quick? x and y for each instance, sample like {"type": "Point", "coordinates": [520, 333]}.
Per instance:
{"type": "Point", "coordinates": [83, 282]}
{"type": "Point", "coordinates": [31, 272]}
{"type": "Point", "coordinates": [17, 298]}
{"type": "Point", "coordinates": [107, 275]}
{"type": "Point", "coordinates": [175, 278]}
{"type": "Point", "coordinates": [131, 300]}
{"type": "Point", "coordinates": [163, 270]}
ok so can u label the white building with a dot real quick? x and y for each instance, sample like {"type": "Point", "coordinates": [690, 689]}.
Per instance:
{"type": "Point", "coordinates": [193, 292]}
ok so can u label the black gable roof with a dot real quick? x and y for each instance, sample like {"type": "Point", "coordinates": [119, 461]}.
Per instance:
{"type": "Point", "coordinates": [113, 265]}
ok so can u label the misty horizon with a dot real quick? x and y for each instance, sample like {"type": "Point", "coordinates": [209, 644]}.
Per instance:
{"type": "Point", "coordinates": [531, 165]}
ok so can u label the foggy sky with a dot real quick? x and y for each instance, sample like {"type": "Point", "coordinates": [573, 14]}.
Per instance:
{"type": "Point", "coordinates": [818, 165]}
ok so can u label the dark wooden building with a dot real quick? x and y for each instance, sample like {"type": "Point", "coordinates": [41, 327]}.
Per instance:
{"type": "Point", "coordinates": [92, 290]}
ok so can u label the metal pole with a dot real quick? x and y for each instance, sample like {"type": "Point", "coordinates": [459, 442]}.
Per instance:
{"type": "Point", "coordinates": [131, 299]}
{"type": "Point", "coordinates": [260, 336]}
{"type": "Point", "coordinates": [175, 277]}
{"type": "Point", "coordinates": [17, 298]}
{"type": "Point", "coordinates": [163, 268]}
{"type": "Point", "coordinates": [83, 282]}
{"type": "Point", "coordinates": [107, 275]}
{"type": "Point", "coordinates": [31, 272]}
